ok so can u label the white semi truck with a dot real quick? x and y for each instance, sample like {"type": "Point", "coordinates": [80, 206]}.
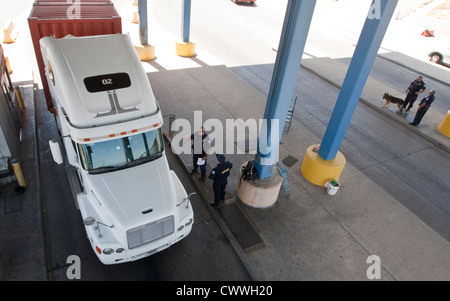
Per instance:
{"type": "Point", "coordinates": [131, 203]}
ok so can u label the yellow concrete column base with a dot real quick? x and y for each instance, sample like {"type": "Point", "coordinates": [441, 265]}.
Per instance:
{"type": "Point", "coordinates": [135, 19]}
{"type": "Point", "coordinates": [444, 127]}
{"type": "Point", "coordinates": [145, 53]}
{"type": "Point", "coordinates": [185, 49]}
{"type": "Point", "coordinates": [259, 193]}
{"type": "Point", "coordinates": [318, 171]}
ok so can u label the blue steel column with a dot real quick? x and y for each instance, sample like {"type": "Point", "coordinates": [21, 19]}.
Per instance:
{"type": "Point", "coordinates": [186, 13]}
{"type": "Point", "coordinates": [292, 43]}
{"type": "Point", "coordinates": [363, 58]}
{"type": "Point", "coordinates": [143, 27]}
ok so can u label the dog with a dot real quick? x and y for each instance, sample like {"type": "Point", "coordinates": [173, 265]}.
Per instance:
{"type": "Point", "coordinates": [392, 99]}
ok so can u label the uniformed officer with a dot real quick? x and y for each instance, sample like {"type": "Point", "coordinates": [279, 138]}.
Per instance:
{"type": "Point", "coordinates": [413, 90]}
{"type": "Point", "coordinates": [201, 145]}
{"type": "Point", "coordinates": [423, 107]}
{"type": "Point", "coordinates": [219, 176]}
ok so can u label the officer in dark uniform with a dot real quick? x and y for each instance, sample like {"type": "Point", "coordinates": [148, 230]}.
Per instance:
{"type": "Point", "coordinates": [423, 107]}
{"type": "Point", "coordinates": [201, 145]}
{"type": "Point", "coordinates": [219, 176]}
{"type": "Point", "coordinates": [413, 90]}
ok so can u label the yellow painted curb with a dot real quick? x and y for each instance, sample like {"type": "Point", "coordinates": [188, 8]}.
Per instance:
{"type": "Point", "coordinates": [185, 49]}
{"type": "Point", "coordinates": [318, 171]}
{"type": "Point", "coordinates": [444, 127]}
{"type": "Point", "coordinates": [19, 97]}
{"type": "Point", "coordinates": [145, 53]}
{"type": "Point", "coordinates": [8, 66]}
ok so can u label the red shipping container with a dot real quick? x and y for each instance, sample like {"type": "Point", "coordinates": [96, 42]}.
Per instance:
{"type": "Point", "coordinates": [59, 20]}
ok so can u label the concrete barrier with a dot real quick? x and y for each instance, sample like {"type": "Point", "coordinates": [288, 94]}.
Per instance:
{"type": "Point", "coordinates": [259, 193]}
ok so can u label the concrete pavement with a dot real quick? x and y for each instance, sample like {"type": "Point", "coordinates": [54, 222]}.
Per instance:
{"type": "Point", "coordinates": [311, 235]}
{"type": "Point", "coordinates": [308, 236]}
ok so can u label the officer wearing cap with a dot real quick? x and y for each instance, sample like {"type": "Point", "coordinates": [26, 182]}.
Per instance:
{"type": "Point", "coordinates": [219, 176]}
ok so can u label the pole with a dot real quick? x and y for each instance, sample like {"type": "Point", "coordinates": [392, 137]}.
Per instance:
{"type": "Point", "coordinates": [372, 34]}
{"type": "Point", "coordinates": [292, 43]}
{"type": "Point", "coordinates": [143, 27]}
{"type": "Point", "coordinates": [186, 23]}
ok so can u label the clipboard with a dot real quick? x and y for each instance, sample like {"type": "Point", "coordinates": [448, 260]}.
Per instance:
{"type": "Point", "coordinates": [200, 161]}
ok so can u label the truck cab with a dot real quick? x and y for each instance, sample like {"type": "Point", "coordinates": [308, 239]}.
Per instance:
{"type": "Point", "coordinates": [110, 124]}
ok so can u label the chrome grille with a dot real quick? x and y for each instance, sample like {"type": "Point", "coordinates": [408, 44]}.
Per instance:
{"type": "Point", "coordinates": [150, 232]}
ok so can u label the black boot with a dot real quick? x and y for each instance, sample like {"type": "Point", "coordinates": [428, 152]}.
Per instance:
{"type": "Point", "coordinates": [202, 178]}
{"type": "Point", "coordinates": [215, 204]}
{"type": "Point", "coordinates": [194, 171]}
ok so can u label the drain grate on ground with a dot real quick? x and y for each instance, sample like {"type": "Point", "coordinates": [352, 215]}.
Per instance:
{"type": "Point", "coordinates": [289, 161]}
{"type": "Point", "coordinates": [242, 229]}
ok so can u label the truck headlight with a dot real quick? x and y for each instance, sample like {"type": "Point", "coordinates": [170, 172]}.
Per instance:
{"type": "Point", "coordinates": [108, 251]}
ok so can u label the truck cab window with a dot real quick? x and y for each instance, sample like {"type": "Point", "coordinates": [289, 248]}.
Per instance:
{"type": "Point", "coordinates": [121, 152]}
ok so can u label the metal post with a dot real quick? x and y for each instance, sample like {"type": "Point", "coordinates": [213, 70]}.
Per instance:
{"type": "Point", "coordinates": [186, 23]}
{"type": "Point", "coordinates": [372, 34]}
{"type": "Point", "coordinates": [143, 28]}
{"type": "Point", "coordinates": [292, 43]}
{"type": "Point", "coordinates": [18, 172]}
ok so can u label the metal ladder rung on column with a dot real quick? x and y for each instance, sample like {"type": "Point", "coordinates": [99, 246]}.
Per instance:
{"type": "Point", "coordinates": [289, 116]}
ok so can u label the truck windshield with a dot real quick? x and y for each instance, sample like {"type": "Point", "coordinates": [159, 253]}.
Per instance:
{"type": "Point", "coordinates": [120, 153]}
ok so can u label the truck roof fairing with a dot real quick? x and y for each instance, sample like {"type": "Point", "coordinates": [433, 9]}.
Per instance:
{"type": "Point", "coordinates": [96, 80]}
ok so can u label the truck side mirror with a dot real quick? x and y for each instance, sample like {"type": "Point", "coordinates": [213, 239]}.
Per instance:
{"type": "Point", "coordinates": [56, 151]}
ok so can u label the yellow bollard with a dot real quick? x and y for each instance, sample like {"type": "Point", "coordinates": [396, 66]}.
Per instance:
{"type": "Point", "coordinates": [135, 19]}
{"type": "Point", "coordinates": [19, 97]}
{"type": "Point", "coordinates": [145, 52]}
{"type": "Point", "coordinates": [18, 172]}
{"type": "Point", "coordinates": [318, 171]}
{"type": "Point", "coordinates": [444, 127]}
{"type": "Point", "coordinates": [185, 49]}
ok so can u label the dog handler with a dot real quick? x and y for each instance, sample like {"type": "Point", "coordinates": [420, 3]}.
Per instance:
{"type": "Point", "coordinates": [413, 90]}
{"type": "Point", "coordinates": [424, 105]}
